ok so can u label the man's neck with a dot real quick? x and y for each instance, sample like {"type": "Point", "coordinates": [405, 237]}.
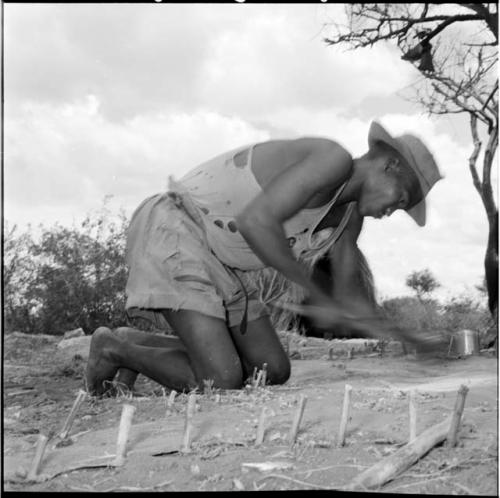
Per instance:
{"type": "Point", "coordinates": [353, 188]}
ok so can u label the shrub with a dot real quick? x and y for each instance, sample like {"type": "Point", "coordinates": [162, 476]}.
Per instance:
{"type": "Point", "coordinates": [463, 313]}
{"type": "Point", "coordinates": [67, 278]}
{"type": "Point", "coordinates": [428, 315]}
{"type": "Point", "coordinates": [414, 313]}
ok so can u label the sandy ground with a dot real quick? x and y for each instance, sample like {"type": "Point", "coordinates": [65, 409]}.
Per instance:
{"type": "Point", "coordinates": [38, 394]}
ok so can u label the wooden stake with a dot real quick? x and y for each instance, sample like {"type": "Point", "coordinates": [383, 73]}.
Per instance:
{"type": "Point", "coordinates": [413, 416]}
{"type": "Point", "coordinates": [296, 421]}
{"type": "Point", "coordinates": [451, 439]}
{"type": "Point", "coordinates": [258, 379]}
{"type": "Point", "coordinates": [264, 375]}
{"type": "Point", "coordinates": [391, 466]}
{"type": "Point", "coordinates": [261, 427]}
{"type": "Point", "coordinates": [71, 416]}
{"type": "Point", "coordinates": [123, 432]}
{"type": "Point", "coordinates": [188, 427]}
{"type": "Point", "coordinates": [345, 415]}
{"type": "Point", "coordinates": [170, 401]}
{"type": "Point", "coordinates": [37, 460]}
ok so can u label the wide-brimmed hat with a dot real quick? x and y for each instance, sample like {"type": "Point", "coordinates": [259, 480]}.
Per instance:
{"type": "Point", "coordinates": [418, 157]}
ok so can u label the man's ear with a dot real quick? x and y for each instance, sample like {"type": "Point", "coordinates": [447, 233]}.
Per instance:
{"type": "Point", "coordinates": [392, 165]}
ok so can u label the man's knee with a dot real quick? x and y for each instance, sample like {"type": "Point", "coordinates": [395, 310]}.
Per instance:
{"type": "Point", "coordinates": [278, 369]}
{"type": "Point", "coordinates": [228, 375]}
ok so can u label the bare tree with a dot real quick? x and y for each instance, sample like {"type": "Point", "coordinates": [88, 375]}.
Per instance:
{"type": "Point", "coordinates": [454, 48]}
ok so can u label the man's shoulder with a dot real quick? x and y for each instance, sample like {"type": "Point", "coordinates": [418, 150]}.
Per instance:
{"type": "Point", "coordinates": [313, 143]}
{"type": "Point", "coordinates": [304, 145]}
{"type": "Point", "coordinates": [326, 150]}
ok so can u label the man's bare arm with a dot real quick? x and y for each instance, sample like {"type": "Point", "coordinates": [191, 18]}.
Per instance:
{"type": "Point", "coordinates": [345, 264]}
{"type": "Point", "coordinates": [349, 295]}
{"type": "Point", "coordinates": [326, 165]}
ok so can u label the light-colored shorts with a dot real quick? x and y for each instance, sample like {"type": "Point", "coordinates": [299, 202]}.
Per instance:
{"type": "Point", "coordinates": [172, 267]}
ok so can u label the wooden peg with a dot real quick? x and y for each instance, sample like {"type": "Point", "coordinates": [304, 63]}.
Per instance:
{"type": "Point", "coordinates": [188, 426]}
{"type": "Point", "coordinates": [451, 438]}
{"type": "Point", "coordinates": [71, 416]}
{"type": "Point", "coordinates": [296, 421]}
{"type": "Point", "coordinates": [37, 460]}
{"type": "Point", "coordinates": [345, 415]}
{"type": "Point", "coordinates": [123, 433]}
{"type": "Point", "coordinates": [264, 375]}
{"type": "Point", "coordinates": [258, 379]}
{"type": "Point", "coordinates": [259, 439]}
{"type": "Point", "coordinates": [170, 401]}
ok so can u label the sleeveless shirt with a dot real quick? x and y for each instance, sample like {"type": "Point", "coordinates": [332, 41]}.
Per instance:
{"type": "Point", "coordinates": [219, 189]}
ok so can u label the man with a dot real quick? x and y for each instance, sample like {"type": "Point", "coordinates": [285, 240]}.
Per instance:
{"type": "Point", "coordinates": [200, 254]}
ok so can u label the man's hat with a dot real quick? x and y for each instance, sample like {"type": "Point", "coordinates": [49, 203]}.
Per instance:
{"type": "Point", "coordinates": [418, 157]}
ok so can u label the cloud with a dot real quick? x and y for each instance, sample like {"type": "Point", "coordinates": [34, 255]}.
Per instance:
{"type": "Point", "coordinates": [269, 62]}
{"type": "Point", "coordinates": [66, 158]}
{"type": "Point", "coordinates": [233, 59]}
{"type": "Point", "coordinates": [133, 58]}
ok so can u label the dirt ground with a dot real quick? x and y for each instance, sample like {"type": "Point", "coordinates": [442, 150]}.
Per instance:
{"type": "Point", "coordinates": [38, 392]}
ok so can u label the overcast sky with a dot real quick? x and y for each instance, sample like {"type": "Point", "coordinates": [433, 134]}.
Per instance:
{"type": "Point", "coordinates": [112, 99]}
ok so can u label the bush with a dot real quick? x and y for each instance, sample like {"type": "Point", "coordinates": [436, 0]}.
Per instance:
{"type": "Point", "coordinates": [428, 315]}
{"type": "Point", "coordinates": [462, 313]}
{"type": "Point", "coordinates": [67, 278]}
{"type": "Point", "coordinates": [414, 313]}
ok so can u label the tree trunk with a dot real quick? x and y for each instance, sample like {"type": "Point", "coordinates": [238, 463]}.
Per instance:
{"type": "Point", "coordinates": [483, 187]}
{"type": "Point", "coordinates": [491, 265]}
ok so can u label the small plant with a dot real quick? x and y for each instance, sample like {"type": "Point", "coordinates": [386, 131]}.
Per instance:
{"type": "Point", "coordinates": [208, 385]}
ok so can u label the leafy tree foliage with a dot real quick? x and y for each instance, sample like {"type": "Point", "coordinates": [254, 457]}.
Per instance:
{"type": "Point", "coordinates": [422, 282]}
{"type": "Point", "coordinates": [66, 278]}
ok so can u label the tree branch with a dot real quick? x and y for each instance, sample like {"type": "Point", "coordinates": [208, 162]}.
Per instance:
{"type": "Point", "coordinates": [490, 18]}
{"type": "Point", "coordinates": [489, 153]}
{"type": "Point", "coordinates": [475, 154]}
{"type": "Point", "coordinates": [495, 88]}
{"type": "Point", "coordinates": [447, 23]}
{"type": "Point", "coordinates": [368, 36]}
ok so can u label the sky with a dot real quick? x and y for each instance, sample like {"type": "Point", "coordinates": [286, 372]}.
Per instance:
{"type": "Point", "coordinates": [111, 99]}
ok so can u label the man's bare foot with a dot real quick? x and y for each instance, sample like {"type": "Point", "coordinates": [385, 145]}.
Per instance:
{"type": "Point", "coordinates": [101, 368]}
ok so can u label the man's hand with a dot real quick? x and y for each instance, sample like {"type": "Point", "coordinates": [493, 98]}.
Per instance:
{"type": "Point", "coordinates": [328, 313]}
{"type": "Point", "coordinates": [322, 310]}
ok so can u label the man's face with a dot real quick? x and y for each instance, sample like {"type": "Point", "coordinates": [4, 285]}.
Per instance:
{"type": "Point", "coordinates": [384, 191]}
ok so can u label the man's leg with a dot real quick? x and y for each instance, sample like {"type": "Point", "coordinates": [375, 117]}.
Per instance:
{"type": "Point", "coordinates": [126, 377]}
{"type": "Point", "coordinates": [261, 344]}
{"type": "Point", "coordinates": [208, 352]}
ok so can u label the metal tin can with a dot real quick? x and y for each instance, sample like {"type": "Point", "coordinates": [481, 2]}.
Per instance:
{"type": "Point", "coordinates": [466, 342]}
